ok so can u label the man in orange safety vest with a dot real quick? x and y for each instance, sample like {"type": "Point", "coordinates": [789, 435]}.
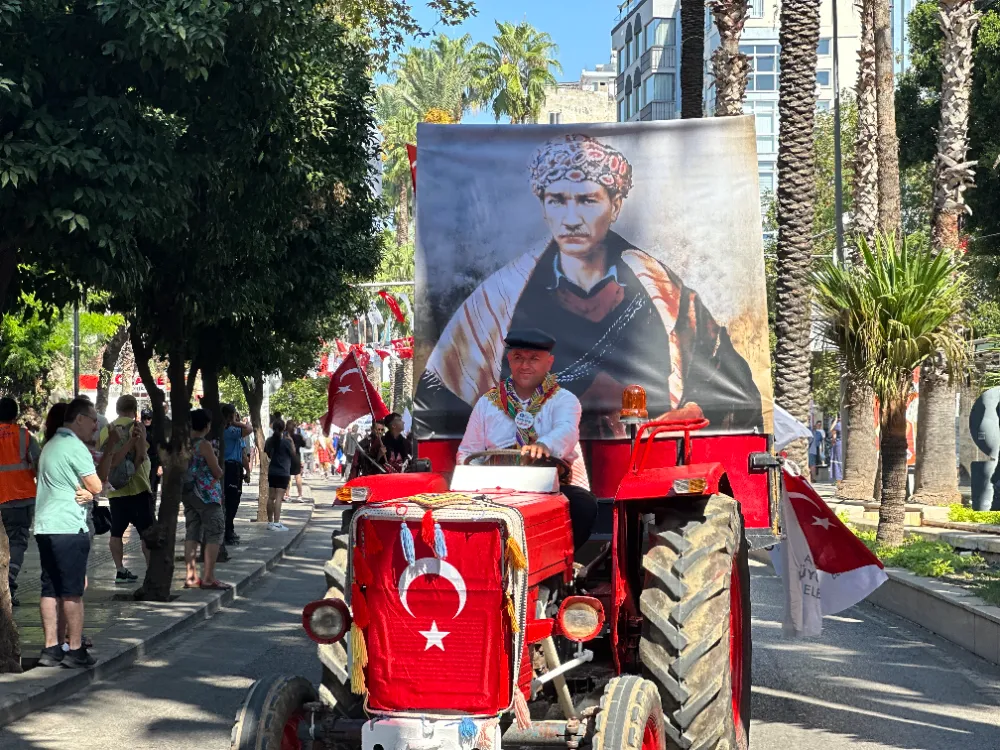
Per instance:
{"type": "Point", "coordinates": [19, 452]}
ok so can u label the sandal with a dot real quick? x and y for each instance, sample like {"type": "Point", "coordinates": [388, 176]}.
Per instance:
{"type": "Point", "coordinates": [195, 584]}
{"type": "Point", "coordinates": [216, 586]}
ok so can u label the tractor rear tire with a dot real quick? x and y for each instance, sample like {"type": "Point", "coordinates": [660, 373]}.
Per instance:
{"type": "Point", "coordinates": [335, 687]}
{"type": "Point", "coordinates": [695, 641]}
{"type": "Point", "coordinates": [269, 716]}
{"type": "Point", "coordinates": [630, 716]}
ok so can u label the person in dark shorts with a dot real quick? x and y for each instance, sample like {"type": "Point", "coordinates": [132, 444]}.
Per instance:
{"type": "Point", "coordinates": [67, 483]}
{"type": "Point", "coordinates": [295, 435]}
{"type": "Point", "coordinates": [234, 435]}
{"type": "Point", "coordinates": [281, 451]}
{"type": "Point", "coordinates": [130, 505]}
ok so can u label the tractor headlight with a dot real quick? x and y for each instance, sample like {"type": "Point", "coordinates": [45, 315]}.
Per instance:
{"type": "Point", "coordinates": [326, 620]}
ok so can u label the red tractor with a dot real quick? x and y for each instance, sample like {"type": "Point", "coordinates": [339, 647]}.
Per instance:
{"type": "Point", "coordinates": [457, 617]}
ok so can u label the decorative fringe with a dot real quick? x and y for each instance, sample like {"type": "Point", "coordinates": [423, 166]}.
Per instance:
{"type": "Point", "coordinates": [359, 607]}
{"type": "Point", "coordinates": [484, 741]}
{"type": "Point", "coordinates": [373, 545]}
{"type": "Point", "coordinates": [362, 573]}
{"type": "Point", "coordinates": [512, 614]}
{"type": "Point", "coordinates": [440, 547]}
{"type": "Point", "coordinates": [515, 557]}
{"type": "Point", "coordinates": [359, 660]}
{"type": "Point", "coordinates": [406, 539]}
{"type": "Point", "coordinates": [466, 730]}
{"type": "Point", "coordinates": [427, 528]}
{"type": "Point", "coordinates": [521, 713]}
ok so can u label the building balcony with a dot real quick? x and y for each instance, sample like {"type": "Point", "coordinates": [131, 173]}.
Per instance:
{"type": "Point", "coordinates": [620, 83]}
{"type": "Point", "coordinates": [659, 111]}
{"type": "Point", "coordinates": [656, 59]}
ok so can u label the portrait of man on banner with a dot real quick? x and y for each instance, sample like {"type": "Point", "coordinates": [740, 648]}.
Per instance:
{"type": "Point", "coordinates": [620, 315]}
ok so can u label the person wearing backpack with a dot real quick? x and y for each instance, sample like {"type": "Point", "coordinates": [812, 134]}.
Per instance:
{"type": "Point", "coordinates": [131, 495]}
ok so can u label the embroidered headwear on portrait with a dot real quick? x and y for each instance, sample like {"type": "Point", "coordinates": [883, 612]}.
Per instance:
{"type": "Point", "coordinates": [580, 158]}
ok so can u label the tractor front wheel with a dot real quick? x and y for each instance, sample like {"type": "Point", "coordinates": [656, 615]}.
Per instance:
{"type": "Point", "coordinates": [695, 641]}
{"type": "Point", "coordinates": [630, 717]}
{"type": "Point", "coordinates": [270, 715]}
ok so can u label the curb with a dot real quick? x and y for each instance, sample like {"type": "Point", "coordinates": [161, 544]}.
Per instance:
{"type": "Point", "coordinates": [950, 611]}
{"type": "Point", "coordinates": [64, 683]}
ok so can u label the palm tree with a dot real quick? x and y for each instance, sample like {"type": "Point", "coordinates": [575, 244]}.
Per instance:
{"type": "Point", "coordinates": [860, 445]}
{"type": "Point", "coordinates": [513, 72]}
{"type": "Point", "coordinates": [692, 57]}
{"type": "Point", "coordinates": [398, 125]}
{"type": "Point", "coordinates": [889, 208]}
{"type": "Point", "coordinates": [886, 316]}
{"type": "Point", "coordinates": [730, 67]}
{"type": "Point", "coordinates": [936, 478]}
{"type": "Point", "coordinates": [438, 77]}
{"type": "Point", "coordinates": [798, 38]}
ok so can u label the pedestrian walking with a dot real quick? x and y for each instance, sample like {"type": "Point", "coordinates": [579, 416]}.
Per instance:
{"type": "Point", "coordinates": [816, 450]}
{"type": "Point", "coordinates": [295, 435]}
{"type": "Point", "coordinates": [204, 514]}
{"type": "Point", "coordinates": [234, 469]}
{"type": "Point", "coordinates": [155, 468]}
{"type": "Point", "coordinates": [280, 449]}
{"type": "Point", "coordinates": [67, 483]}
{"type": "Point", "coordinates": [19, 452]}
{"type": "Point", "coordinates": [323, 456]}
{"type": "Point", "coordinates": [836, 456]}
{"type": "Point", "coordinates": [130, 500]}
{"type": "Point", "coordinates": [350, 442]}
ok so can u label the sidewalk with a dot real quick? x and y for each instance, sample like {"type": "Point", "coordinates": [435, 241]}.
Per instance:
{"type": "Point", "coordinates": [122, 629]}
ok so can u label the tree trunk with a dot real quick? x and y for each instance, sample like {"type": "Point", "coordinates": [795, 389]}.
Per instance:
{"type": "Point", "coordinates": [254, 393]}
{"type": "Point", "coordinates": [157, 398]}
{"type": "Point", "coordinates": [692, 57]}
{"type": "Point", "coordinates": [893, 508]}
{"type": "Point", "coordinates": [860, 447]}
{"type": "Point", "coordinates": [799, 37]}
{"type": "Point", "coordinates": [129, 365]}
{"type": "Point", "coordinates": [865, 214]}
{"type": "Point", "coordinates": [730, 67]}
{"type": "Point", "coordinates": [889, 210]}
{"type": "Point", "coordinates": [161, 537]}
{"type": "Point", "coordinates": [212, 401]}
{"type": "Point", "coordinates": [407, 383]}
{"type": "Point", "coordinates": [936, 480]}
{"type": "Point", "coordinates": [10, 647]}
{"type": "Point", "coordinates": [399, 386]}
{"type": "Point", "coordinates": [403, 215]}
{"type": "Point", "coordinates": [8, 267]}
{"type": "Point", "coordinates": [109, 358]}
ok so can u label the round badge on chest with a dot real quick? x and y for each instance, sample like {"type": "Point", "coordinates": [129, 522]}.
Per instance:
{"type": "Point", "coordinates": [524, 420]}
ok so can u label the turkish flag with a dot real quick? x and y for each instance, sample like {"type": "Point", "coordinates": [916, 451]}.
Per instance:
{"type": "Point", "coordinates": [351, 395]}
{"type": "Point", "coordinates": [393, 305]}
{"type": "Point", "coordinates": [826, 568]}
{"type": "Point", "coordinates": [439, 638]}
{"type": "Point", "coordinates": [411, 152]}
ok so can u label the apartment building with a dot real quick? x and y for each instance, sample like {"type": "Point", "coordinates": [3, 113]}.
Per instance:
{"type": "Point", "coordinates": [591, 99]}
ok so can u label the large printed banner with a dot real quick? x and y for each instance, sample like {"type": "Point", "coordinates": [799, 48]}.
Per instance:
{"type": "Point", "coordinates": [636, 246]}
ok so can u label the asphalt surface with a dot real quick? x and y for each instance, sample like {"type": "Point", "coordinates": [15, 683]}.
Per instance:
{"type": "Point", "coordinates": [871, 681]}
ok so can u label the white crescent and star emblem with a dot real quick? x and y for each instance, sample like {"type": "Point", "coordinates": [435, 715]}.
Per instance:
{"type": "Point", "coordinates": [344, 389]}
{"type": "Point", "coordinates": [432, 566]}
{"type": "Point", "coordinates": [824, 522]}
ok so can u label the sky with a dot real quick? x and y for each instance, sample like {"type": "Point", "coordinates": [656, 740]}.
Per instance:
{"type": "Point", "coordinates": [581, 29]}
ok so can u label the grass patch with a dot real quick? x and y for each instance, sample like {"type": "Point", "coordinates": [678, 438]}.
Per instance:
{"type": "Point", "coordinates": [961, 514]}
{"type": "Point", "coordinates": [937, 560]}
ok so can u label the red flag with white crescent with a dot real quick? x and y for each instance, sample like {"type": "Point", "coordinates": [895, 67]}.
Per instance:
{"type": "Point", "coordinates": [351, 395]}
{"type": "Point", "coordinates": [439, 638]}
{"type": "Point", "coordinates": [830, 568]}
{"type": "Point", "coordinates": [393, 305]}
{"type": "Point", "coordinates": [411, 152]}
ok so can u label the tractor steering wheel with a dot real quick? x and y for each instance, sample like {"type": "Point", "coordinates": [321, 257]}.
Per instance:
{"type": "Point", "coordinates": [515, 458]}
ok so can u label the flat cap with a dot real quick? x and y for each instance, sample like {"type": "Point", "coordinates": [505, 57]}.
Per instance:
{"type": "Point", "coordinates": [529, 338]}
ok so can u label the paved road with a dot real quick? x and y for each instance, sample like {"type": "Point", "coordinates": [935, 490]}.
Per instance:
{"type": "Point", "coordinates": [872, 681]}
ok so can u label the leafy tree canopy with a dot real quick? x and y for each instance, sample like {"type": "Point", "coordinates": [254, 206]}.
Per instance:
{"type": "Point", "coordinates": [301, 399]}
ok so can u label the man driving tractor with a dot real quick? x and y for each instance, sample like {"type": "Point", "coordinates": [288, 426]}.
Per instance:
{"type": "Point", "coordinates": [530, 412]}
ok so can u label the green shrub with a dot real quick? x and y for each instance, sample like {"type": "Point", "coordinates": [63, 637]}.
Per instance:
{"type": "Point", "coordinates": [961, 514]}
{"type": "Point", "coordinates": [923, 557]}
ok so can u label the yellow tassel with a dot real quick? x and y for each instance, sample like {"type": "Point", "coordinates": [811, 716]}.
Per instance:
{"type": "Point", "coordinates": [521, 712]}
{"type": "Point", "coordinates": [515, 556]}
{"type": "Point", "coordinates": [512, 614]}
{"type": "Point", "coordinates": [359, 660]}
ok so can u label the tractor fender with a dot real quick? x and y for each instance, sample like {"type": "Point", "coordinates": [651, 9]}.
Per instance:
{"type": "Point", "coordinates": [658, 482]}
